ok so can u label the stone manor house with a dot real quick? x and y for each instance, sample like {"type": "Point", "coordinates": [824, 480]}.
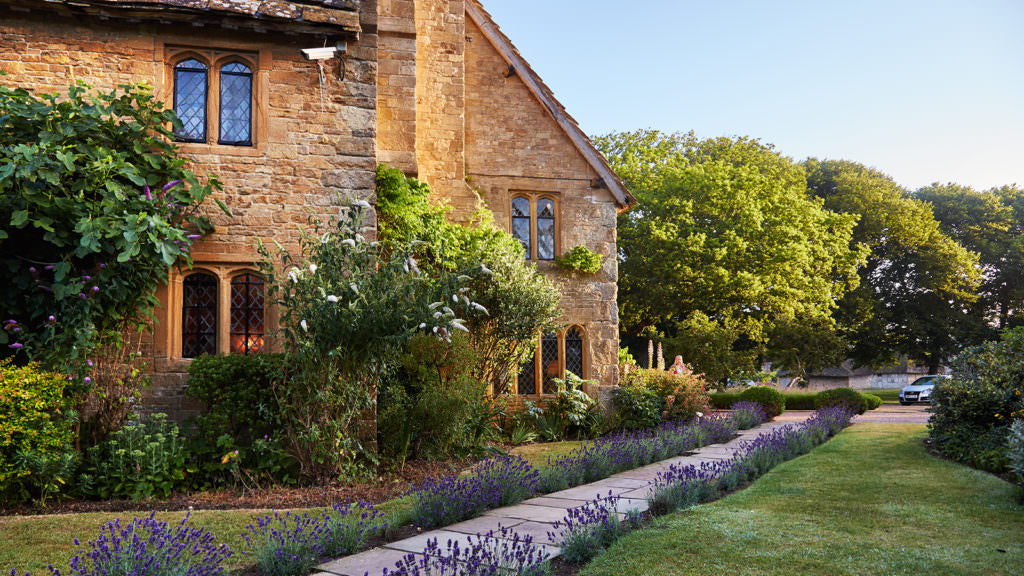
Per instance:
{"type": "Point", "coordinates": [432, 87]}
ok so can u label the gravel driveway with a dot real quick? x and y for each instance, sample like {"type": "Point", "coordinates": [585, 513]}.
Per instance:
{"type": "Point", "coordinates": [896, 414]}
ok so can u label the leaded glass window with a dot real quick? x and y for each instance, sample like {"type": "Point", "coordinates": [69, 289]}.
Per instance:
{"type": "Point", "coordinates": [235, 104]}
{"type": "Point", "coordinates": [190, 87]}
{"type": "Point", "coordinates": [549, 363]}
{"type": "Point", "coordinates": [574, 351]}
{"type": "Point", "coordinates": [527, 383]}
{"type": "Point", "coordinates": [545, 229]}
{"type": "Point", "coordinates": [199, 315]}
{"type": "Point", "coordinates": [246, 314]}
{"type": "Point", "coordinates": [521, 222]}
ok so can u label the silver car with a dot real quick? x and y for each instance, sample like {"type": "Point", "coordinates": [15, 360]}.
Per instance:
{"type": "Point", "coordinates": [920, 390]}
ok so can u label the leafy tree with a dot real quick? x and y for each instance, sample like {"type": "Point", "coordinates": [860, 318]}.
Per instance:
{"type": "Point", "coordinates": [724, 246]}
{"type": "Point", "coordinates": [992, 224]}
{"type": "Point", "coordinates": [917, 285]}
{"type": "Point", "coordinates": [95, 208]}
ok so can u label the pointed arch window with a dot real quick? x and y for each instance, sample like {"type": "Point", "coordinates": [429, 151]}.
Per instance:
{"type": "Point", "coordinates": [574, 351]}
{"type": "Point", "coordinates": [527, 381]}
{"type": "Point", "coordinates": [199, 315]}
{"type": "Point", "coordinates": [190, 94]}
{"type": "Point", "coordinates": [553, 356]}
{"type": "Point", "coordinates": [521, 222]}
{"type": "Point", "coordinates": [545, 229]}
{"type": "Point", "coordinates": [247, 314]}
{"type": "Point", "coordinates": [235, 104]}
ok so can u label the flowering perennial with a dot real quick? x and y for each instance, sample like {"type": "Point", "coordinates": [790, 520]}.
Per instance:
{"type": "Point", "coordinates": [684, 486]}
{"type": "Point", "coordinates": [493, 483]}
{"type": "Point", "coordinates": [490, 554]}
{"type": "Point", "coordinates": [592, 527]}
{"type": "Point", "coordinates": [148, 547]}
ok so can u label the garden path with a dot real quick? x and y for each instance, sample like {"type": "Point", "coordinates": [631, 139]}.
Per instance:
{"type": "Point", "coordinates": [535, 517]}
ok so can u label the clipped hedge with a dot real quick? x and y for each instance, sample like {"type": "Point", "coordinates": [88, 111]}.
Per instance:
{"type": "Point", "coordinates": [873, 401]}
{"type": "Point", "coordinates": [769, 398]}
{"type": "Point", "coordinates": [842, 397]}
{"type": "Point", "coordinates": [800, 400]}
{"type": "Point", "coordinates": [724, 400]}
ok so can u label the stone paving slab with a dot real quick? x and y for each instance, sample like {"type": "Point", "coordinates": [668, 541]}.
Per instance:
{"type": "Point", "coordinates": [563, 503]}
{"type": "Point", "coordinates": [588, 492]}
{"type": "Point", "coordinates": [639, 493]}
{"type": "Point", "coordinates": [485, 524]}
{"type": "Point", "coordinates": [539, 531]}
{"type": "Point", "coordinates": [373, 561]}
{"type": "Point", "coordinates": [620, 482]}
{"type": "Point", "coordinates": [418, 543]}
{"type": "Point", "coordinates": [529, 512]}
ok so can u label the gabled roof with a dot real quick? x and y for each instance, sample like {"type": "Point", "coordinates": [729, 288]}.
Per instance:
{"type": "Point", "coordinates": [542, 93]}
{"type": "Point", "coordinates": [302, 16]}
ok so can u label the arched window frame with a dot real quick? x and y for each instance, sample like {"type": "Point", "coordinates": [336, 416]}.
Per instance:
{"type": "Point", "coordinates": [538, 219]}
{"type": "Point", "coordinates": [535, 199]}
{"type": "Point", "coordinates": [536, 362]}
{"type": "Point", "coordinates": [187, 311]}
{"type": "Point", "coordinates": [251, 74]}
{"type": "Point", "coordinates": [215, 59]}
{"type": "Point", "coordinates": [526, 221]}
{"type": "Point", "coordinates": [253, 336]}
{"type": "Point", "coordinates": [176, 67]}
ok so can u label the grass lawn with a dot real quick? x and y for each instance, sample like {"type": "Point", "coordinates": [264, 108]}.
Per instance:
{"type": "Point", "coordinates": [30, 543]}
{"type": "Point", "coordinates": [870, 501]}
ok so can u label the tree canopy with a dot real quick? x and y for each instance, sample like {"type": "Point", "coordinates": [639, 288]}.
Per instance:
{"type": "Point", "coordinates": [917, 285]}
{"type": "Point", "coordinates": [725, 246]}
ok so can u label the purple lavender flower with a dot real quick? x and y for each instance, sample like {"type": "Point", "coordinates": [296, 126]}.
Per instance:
{"type": "Point", "coordinates": [145, 189]}
{"type": "Point", "coordinates": [492, 483]}
{"type": "Point", "coordinates": [148, 546]}
{"type": "Point", "coordinates": [491, 554]}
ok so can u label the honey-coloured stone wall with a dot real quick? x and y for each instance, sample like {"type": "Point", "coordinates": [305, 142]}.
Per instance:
{"type": "Point", "coordinates": [314, 143]}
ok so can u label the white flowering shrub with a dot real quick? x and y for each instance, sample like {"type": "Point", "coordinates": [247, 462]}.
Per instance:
{"type": "Point", "coordinates": [346, 313]}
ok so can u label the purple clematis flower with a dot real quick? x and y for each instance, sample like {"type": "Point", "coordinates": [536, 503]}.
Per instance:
{"type": "Point", "coordinates": [16, 345]}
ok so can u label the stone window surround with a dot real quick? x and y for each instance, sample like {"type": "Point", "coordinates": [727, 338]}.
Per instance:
{"type": "Point", "coordinates": [224, 273]}
{"type": "Point", "coordinates": [216, 54]}
{"type": "Point", "coordinates": [538, 374]}
{"type": "Point", "coordinates": [534, 198]}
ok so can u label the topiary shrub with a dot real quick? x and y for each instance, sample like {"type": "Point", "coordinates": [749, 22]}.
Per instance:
{"type": "Point", "coordinates": [800, 400]}
{"type": "Point", "coordinates": [723, 400]}
{"type": "Point", "coordinates": [842, 396]}
{"type": "Point", "coordinates": [36, 433]}
{"type": "Point", "coordinates": [872, 400]}
{"type": "Point", "coordinates": [769, 398]}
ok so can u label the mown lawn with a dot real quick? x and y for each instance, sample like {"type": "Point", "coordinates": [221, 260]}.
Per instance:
{"type": "Point", "coordinates": [888, 395]}
{"type": "Point", "coordinates": [870, 501]}
{"type": "Point", "coordinates": [30, 543]}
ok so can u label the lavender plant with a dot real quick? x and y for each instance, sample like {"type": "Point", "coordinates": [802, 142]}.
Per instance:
{"type": "Point", "coordinates": [504, 553]}
{"type": "Point", "coordinates": [286, 544]}
{"type": "Point", "coordinates": [148, 547]}
{"type": "Point", "coordinates": [493, 483]}
{"type": "Point", "coordinates": [587, 530]}
{"type": "Point", "coordinates": [684, 486]}
{"type": "Point", "coordinates": [347, 526]}
{"type": "Point", "coordinates": [746, 415]}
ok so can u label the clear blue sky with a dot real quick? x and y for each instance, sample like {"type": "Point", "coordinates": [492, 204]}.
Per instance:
{"type": "Point", "coordinates": [922, 90]}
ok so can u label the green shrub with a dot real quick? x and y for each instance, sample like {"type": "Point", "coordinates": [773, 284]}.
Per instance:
{"type": "Point", "coordinates": [972, 411]}
{"type": "Point", "coordinates": [433, 406]}
{"type": "Point", "coordinates": [842, 396]}
{"type": "Point", "coordinates": [97, 205]}
{"type": "Point", "coordinates": [1015, 450]}
{"type": "Point", "coordinates": [724, 400]}
{"type": "Point", "coordinates": [800, 400]}
{"type": "Point", "coordinates": [36, 433]}
{"type": "Point", "coordinates": [146, 458]}
{"type": "Point", "coordinates": [769, 398]}
{"type": "Point", "coordinates": [637, 407]}
{"type": "Point", "coordinates": [575, 412]}
{"type": "Point", "coordinates": [581, 259]}
{"type": "Point", "coordinates": [237, 437]}
{"type": "Point", "coordinates": [872, 400]}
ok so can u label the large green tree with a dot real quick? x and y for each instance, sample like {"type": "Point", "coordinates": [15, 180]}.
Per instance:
{"type": "Point", "coordinates": [918, 284]}
{"type": "Point", "coordinates": [724, 246]}
{"type": "Point", "coordinates": [990, 223]}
